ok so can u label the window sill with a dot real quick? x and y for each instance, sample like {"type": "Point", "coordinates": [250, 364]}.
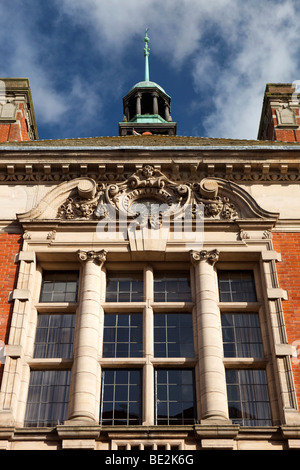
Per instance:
{"type": "Point", "coordinates": [242, 306]}
{"type": "Point", "coordinates": [45, 363]}
{"type": "Point", "coordinates": [55, 307]}
{"type": "Point", "coordinates": [233, 362]}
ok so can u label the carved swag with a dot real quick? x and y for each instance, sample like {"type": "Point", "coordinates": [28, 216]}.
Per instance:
{"type": "Point", "coordinates": [148, 186]}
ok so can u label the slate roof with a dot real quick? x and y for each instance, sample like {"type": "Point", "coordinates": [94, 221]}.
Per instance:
{"type": "Point", "coordinates": [146, 141]}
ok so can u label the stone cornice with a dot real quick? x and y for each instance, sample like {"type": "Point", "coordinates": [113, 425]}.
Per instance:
{"type": "Point", "coordinates": [238, 168]}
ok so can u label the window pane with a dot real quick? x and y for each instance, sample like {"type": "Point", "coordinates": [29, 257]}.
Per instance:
{"type": "Point", "coordinates": [173, 335]}
{"type": "Point", "coordinates": [59, 286]}
{"type": "Point", "coordinates": [174, 392]}
{"type": "Point", "coordinates": [241, 335]}
{"type": "Point", "coordinates": [172, 287]}
{"type": "Point", "coordinates": [126, 287]}
{"type": "Point", "coordinates": [48, 397]}
{"type": "Point", "coordinates": [54, 336]}
{"type": "Point", "coordinates": [121, 397]}
{"type": "Point", "coordinates": [248, 398]}
{"type": "Point", "coordinates": [123, 335]}
{"type": "Point", "coordinates": [237, 286]}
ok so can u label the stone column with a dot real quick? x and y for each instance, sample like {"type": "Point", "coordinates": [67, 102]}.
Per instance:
{"type": "Point", "coordinates": [155, 102]}
{"type": "Point", "coordinates": [85, 387]}
{"type": "Point", "coordinates": [213, 393]}
{"type": "Point", "coordinates": [148, 372]}
{"type": "Point", "coordinates": [167, 112]}
{"type": "Point", "coordinates": [139, 103]}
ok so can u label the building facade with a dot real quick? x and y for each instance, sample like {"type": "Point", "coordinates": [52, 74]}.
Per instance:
{"type": "Point", "coordinates": [150, 282]}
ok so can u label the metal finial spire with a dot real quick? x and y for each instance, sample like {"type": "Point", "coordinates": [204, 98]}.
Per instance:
{"type": "Point", "coordinates": [146, 54]}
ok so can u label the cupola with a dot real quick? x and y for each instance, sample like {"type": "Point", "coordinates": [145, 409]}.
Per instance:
{"type": "Point", "coordinates": [147, 106]}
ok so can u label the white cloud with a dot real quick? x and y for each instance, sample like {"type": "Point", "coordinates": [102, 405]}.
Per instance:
{"type": "Point", "coordinates": [260, 40]}
{"type": "Point", "coordinates": [22, 57]}
{"type": "Point", "coordinates": [267, 52]}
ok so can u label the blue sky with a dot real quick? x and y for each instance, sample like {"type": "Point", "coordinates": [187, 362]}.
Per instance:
{"type": "Point", "coordinates": [213, 58]}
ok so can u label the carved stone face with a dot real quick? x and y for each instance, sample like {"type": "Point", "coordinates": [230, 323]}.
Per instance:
{"type": "Point", "coordinates": [148, 171]}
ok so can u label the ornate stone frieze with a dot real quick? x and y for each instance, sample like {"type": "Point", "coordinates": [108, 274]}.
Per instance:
{"type": "Point", "coordinates": [147, 196]}
{"type": "Point", "coordinates": [76, 208]}
{"type": "Point", "coordinates": [149, 187]}
{"type": "Point", "coordinates": [215, 206]}
{"type": "Point", "coordinates": [183, 172]}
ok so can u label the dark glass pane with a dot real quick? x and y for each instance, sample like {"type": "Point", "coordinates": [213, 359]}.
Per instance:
{"type": "Point", "coordinates": [237, 286]}
{"type": "Point", "coordinates": [172, 287]}
{"type": "Point", "coordinates": [136, 350]}
{"type": "Point", "coordinates": [123, 335]}
{"type": "Point", "coordinates": [248, 399]}
{"type": "Point", "coordinates": [122, 350]}
{"type": "Point", "coordinates": [121, 397]}
{"type": "Point", "coordinates": [242, 338]}
{"type": "Point", "coordinates": [160, 350]}
{"type": "Point", "coordinates": [48, 397]}
{"type": "Point", "coordinates": [54, 335]}
{"type": "Point", "coordinates": [121, 393]}
{"type": "Point", "coordinates": [59, 286]}
{"type": "Point", "coordinates": [173, 335]}
{"type": "Point", "coordinates": [124, 287]}
{"type": "Point", "coordinates": [175, 396]}
{"type": "Point", "coordinates": [122, 377]}
{"type": "Point", "coordinates": [124, 297]}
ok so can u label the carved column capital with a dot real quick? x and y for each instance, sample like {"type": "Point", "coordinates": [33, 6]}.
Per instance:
{"type": "Point", "coordinates": [98, 257]}
{"type": "Point", "coordinates": [210, 256]}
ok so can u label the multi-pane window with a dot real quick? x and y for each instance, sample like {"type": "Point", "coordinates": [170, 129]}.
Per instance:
{"type": "Point", "coordinates": [241, 335]}
{"type": "Point", "coordinates": [248, 398]}
{"type": "Point", "coordinates": [54, 336]}
{"type": "Point", "coordinates": [237, 286]}
{"type": "Point", "coordinates": [137, 332]}
{"type": "Point", "coordinates": [121, 397]}
{"type": "Point", "coordinates": [172, 287]}
{"type": "Point", "coordinates": [173, 335]}
{"type": "Point", "coordinates": [123, 335]}
{"type": "Point", "coordinates": [59, 286]}
{"type": "Point", "coordinates": [126, 287]}
{"type": "Point", "coordinates": [174, 393]}
{"type": "Point", "coordinates": [48, 393]}
{"type": "Point", "coordinates": [48, 398]}
{"type": "Point", "coordinates": [247, 391]}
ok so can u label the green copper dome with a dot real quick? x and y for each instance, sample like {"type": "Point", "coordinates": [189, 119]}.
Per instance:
{"type": "Point", "coordinates": [148, 84]}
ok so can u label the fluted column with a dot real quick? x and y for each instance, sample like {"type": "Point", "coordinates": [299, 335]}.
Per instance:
{"type": "Point", "coordinates": [213, 394]}
{"type": "Point", "coordinates": [85, 387]}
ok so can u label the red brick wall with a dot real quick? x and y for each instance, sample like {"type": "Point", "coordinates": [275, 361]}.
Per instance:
{"type": "Point", "coordinates": [287, 135]}
{"type": "Point", "coordinates": [288, 244]}
{"type": "Point", "coordinates": [15, 131]}
{"type": "Point", "coordinates": [10, 244]}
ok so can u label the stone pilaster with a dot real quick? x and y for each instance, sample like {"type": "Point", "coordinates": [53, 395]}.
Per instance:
{"type": "Point", "coordinates": [213, 394]}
